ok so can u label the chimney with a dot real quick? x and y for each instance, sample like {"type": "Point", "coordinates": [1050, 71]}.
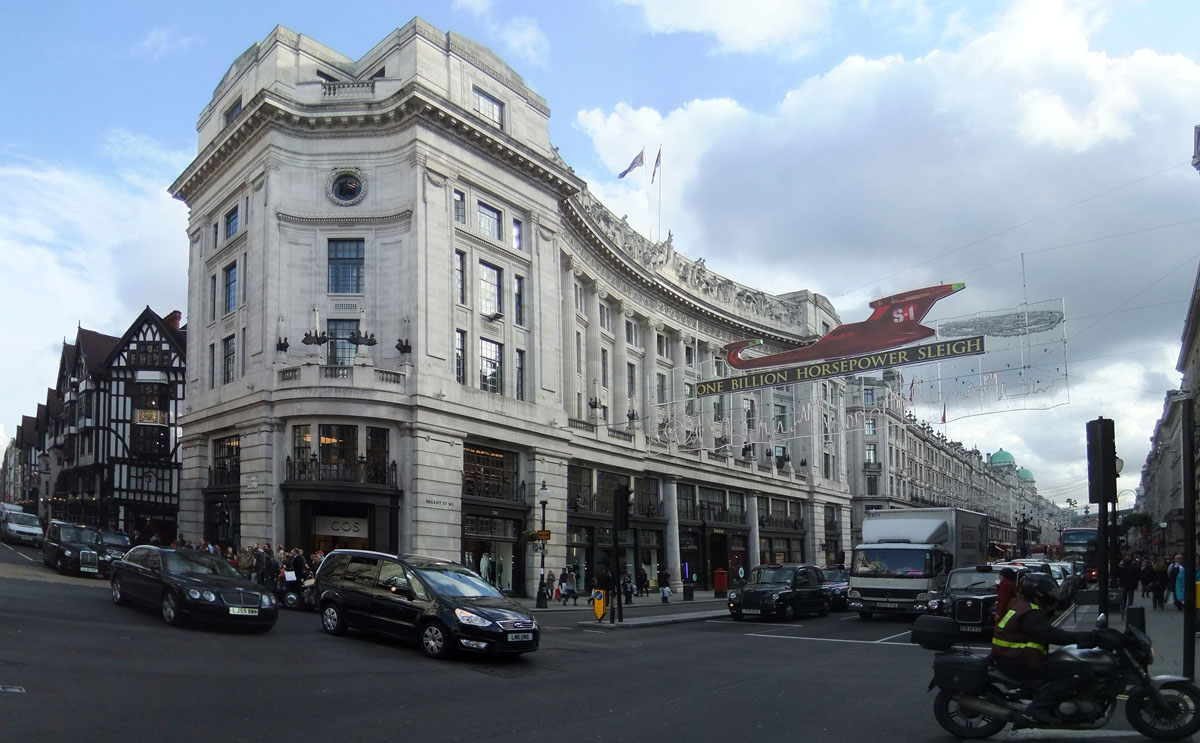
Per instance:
{"type": "Point", "coordinates": [172, 320]}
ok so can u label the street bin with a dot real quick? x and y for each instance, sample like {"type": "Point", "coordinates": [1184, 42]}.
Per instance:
{"type": "Point", "coordinates": [689, 592]}
{"type": "Point", "coordinates": [1136, 616]}
{"type": "Point", "coordinates": [720, 583]}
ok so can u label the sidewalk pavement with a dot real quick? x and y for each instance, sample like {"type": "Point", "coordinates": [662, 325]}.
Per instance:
{"type": "Point", "coordinates": [704, 605]}
{"type": "Point", "coordinates": [1164, 626]}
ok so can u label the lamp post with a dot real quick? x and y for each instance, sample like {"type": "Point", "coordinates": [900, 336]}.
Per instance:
{"type": "Point", "coordinates": [542, 596]}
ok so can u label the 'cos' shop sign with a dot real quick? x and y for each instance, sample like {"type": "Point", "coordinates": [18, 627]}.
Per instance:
{"type": "Point", "coordinates": [340, 526]}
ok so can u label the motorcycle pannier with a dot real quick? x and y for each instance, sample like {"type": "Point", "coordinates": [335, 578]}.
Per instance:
{"type": "Point", "coordinates": [960, 672]}
{"type": "Point", "coordinates": [934, 632]}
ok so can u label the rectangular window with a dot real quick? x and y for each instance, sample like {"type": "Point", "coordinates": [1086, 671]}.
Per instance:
{"type": "Point", "coordinates": [518, 300]}
{"type": "Point", "coordinates": [824, 328]}
{"type": "Point", "coordinates": [780, 418]}
{"type": "Point", "coordinates": [212, 297]}
{"type": "Point", "coordinates": [228, 354]}
{"type": "Point", "coordinates": [660, 388]}
{"type": "Point", "coordinates": [301, 443]}
{"type": "Point", "coordinates": [460, 280]}
{"type": "Point", "coordinates": [489, 221]}
{"type": "Point", "coordinates": [227, 460]}
{"type": "Point", "coordinates": [346, 259]}
{"type": "Point", "coordinates": [578, 352]}
{"type": "Point", "coordinates": [150, 441]}
{"type": "Point", "coordinates": [460, 356]}
{"type": "Point", "coordinates": [341, 350]}
{"type": "Point", "coordinates": [489, 108]}
{"type": "Point", "coordinates": [232, 112]}
{"type": "Point", "coordinates": [216, 236]}
{"type": "Point", "coordinates": [460, 207]}
{"type": "Point", "coordinates": [604, 368]}
{"type": "Point", "coordinates": [872, 484]}
{"type": "Point", "coordinates": [689, 355]}
{"type": "Point", "coordinates": [337, 449]}
{"type": "Point", "coordinates": [212, 366]}
{"type": "Point", "coordinates": [633, 334]}
{"type": "Point", "coordinates": [519, 368]}
{"type": "Point", "coordinates": [868, 396]}
{"type": "Point", "coordinates": [871, 456]}
{"type": "Point", "coordinates": [230, 301]}
{"type": "Point", "coordinates": [662, 345]}
{"type": "Point", "coordinates": [489, 290]}
{"type": "Point", "coordinates": [578, 298]}
{"type": "Point", "coordinates": [631, 380]}
{"type": "Point", "coordinates": [491, 366]}
{"type": "Point", "coordinates": [518, 235]}
{"type": "Point", "coordinates": [605, 317]}
{"type": "Point", "coordinates": [231, 223]}
{"type": "Point", "coordinates": [869, 426]}
{"type": "Point", "coordinates": [377, 456]}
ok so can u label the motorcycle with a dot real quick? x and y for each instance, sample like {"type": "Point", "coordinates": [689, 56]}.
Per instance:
{"type": "Point", "coordinates": [976, 699]}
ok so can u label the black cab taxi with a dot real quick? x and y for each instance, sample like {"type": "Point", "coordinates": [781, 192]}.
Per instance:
{"type": "Point", "coordinates": [782, 590]}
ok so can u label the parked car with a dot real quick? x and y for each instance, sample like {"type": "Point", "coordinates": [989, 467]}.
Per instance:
{"type": "Point", "coordinates": [837, 581]}
{"type": "Point", "coordinates": [73, 548]}
{"type": "Point", "coordinates": [18, 526]}
{"type": "Point", "coordinates": [782, 590]}
{"type": "Point", "coordinates": [116, 544]}
{"type": "Point", "coordinates": [443, 606]}
{"type": "Point", "coordinates": [970, 597]}
{"type": "Point", "coordinates": [188, 585]}
{"type": "Point", "coordinates": [1068, 582]}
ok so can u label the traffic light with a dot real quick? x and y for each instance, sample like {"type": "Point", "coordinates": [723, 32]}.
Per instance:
{"type": "Point", "coordinates": [1102, 461]}
{"type": "Point", "coordinates": [622, 497]}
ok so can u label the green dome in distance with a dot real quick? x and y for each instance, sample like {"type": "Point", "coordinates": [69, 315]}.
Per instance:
{"type": "Point", "coordinates": [1024, 474]}
{"type": "Point", "coordinates": [1002, 457]}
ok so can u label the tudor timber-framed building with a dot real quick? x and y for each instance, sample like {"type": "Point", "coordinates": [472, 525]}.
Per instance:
{"type": "Point", "coordinates": [411, 324]}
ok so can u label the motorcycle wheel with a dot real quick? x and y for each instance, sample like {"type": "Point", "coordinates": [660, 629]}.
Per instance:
{"type": "Point", "coordinates": [960, 722]}
{"type": "Point", "coordinates": [1181, 722]}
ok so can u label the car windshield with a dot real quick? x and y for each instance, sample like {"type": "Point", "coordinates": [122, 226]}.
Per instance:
{"type": "Point", "coordinates": [766, 574]}
{"type": "Point", "coordinates": [79, 535]}
{"type": "Point", "coordinates": [198, 563]}
{"type": "Point", "coordinates": [835, 575]}
{"type": "Point", "coordinates": [455, 580]}
{"type": "Point", "coordinates": [969, 580]}
{"type": "Point", "coordinates": [115, 538]}
{"type": "Point", "coordinates": [891, 562]}
{"type": "Point", "coordinates": [23, 519]}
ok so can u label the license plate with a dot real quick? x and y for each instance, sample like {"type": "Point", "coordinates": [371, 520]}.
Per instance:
{"type": "Point", "coordinates": [889, 606]}
{"type": "Point", "coordinates": [86, 569]}
{"type": "Point", "coordinates": [971, 629]}
{"type": "Point", "coordinates": [750, 611]}
{"type": "Point", "coordinates": [243, 612]}
{"type": "Point", "coordinates": [520, 637]}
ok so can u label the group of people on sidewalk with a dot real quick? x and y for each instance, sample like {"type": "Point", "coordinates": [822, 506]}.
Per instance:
{"type": "Point", "coordinates": [568, 587]}
{"type": "Point", "coordinates": [1156, 578]}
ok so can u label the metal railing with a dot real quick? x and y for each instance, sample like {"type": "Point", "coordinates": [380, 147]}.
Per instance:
{"type": "Point", "coordinates": [351, 472]}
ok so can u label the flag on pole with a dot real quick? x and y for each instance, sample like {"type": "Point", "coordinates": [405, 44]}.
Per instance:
{"type": "Point", "coordinates": [911, 385]}
{"type": "Point", "coordinates": [657, 162]}
{"type": "Point", "coordinates": [638, 162]}
{"type": "Point", "coordinates": [943, 412]}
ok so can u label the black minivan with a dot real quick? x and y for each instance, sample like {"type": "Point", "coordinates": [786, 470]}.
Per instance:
{"type": "Point", "coordinates": [440, 604]}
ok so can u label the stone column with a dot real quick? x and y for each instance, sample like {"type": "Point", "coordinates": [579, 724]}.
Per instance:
{"type": "Point", "coordinates": [592, 343]}
{"type": "Point", "coordinates": [620, 392]}
{"type": "Point", "coordinates": [752, 516]}
{"type": "Point", "coordinates": [671, 536]}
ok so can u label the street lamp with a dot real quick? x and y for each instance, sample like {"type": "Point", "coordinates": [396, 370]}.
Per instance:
{"type": "Point", "coordinates": [542, 596]}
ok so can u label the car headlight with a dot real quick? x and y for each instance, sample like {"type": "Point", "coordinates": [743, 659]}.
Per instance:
{"type": "Point", "coordinates": [268, 601]}
{"type": "Point", "coordinates": [194, 593]}
{"type": "Point", "coordinates": [775, 596]}
{"type": "Point", "coordinates": [106, 558]}
{"type": "Point", "coordinates": [853, 594]}
{"type": "Point", "coordinates": [934, 605]}
{"type": "Point", "coordinates": [467, 617]}
{"type": "Point", "coordinates": [733, 595]}
{"type": "Point", "coordinates": [68, 553]}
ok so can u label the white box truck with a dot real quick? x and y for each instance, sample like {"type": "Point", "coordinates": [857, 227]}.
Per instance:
{"type": "Point", "coordinates": [906, 555]}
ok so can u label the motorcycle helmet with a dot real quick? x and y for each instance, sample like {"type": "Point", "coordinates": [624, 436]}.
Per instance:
{"type": "Point", "coordinates": [1039, 588]}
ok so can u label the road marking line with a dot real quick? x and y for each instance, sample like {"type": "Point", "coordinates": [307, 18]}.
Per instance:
{"type": "Point", "coordinates": [22, 554]}
{"type": "Point", "coordinates": [902, 634]}
{"type": "Point", "coordinates": [831, 639]}
{"type": "Point", "coordinates": [13, 689]}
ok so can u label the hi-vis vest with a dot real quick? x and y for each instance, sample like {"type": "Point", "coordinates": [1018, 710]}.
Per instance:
{"type": "Point", "coordinates": [1012, 645]}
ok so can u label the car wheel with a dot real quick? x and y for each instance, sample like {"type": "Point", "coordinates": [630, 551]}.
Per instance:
{"type": "Point", "coordinates": [118, 592]}
{"type": "Point", "coordinates": [332, 619]}
{"type": "Point", "coordinates": [170, 609]}
{"type": "Point", "coordinates": [435, 641]}
{"type": "Point", "coordinates": [291, 600]}
{"type": "Point", "coordinates": [60, 565]}
{"type": "Point", "coordinates": [789, 612]}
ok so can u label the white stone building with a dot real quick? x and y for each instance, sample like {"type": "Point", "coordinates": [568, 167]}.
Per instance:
{"type": "Point", "coordinates": [412, 328]}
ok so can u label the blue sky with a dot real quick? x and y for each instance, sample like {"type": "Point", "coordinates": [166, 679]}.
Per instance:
{"type": "Point", "coordinates": [1030, 149]}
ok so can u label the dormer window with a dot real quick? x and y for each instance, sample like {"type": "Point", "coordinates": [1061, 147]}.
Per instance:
{"type": "Point", "coordinates": [489, 108]}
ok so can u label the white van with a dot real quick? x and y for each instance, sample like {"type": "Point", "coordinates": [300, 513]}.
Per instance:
{"type": "Point", "coordinates": [18, 526]}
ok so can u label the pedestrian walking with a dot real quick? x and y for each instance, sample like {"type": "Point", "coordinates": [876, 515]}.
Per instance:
{"type": "Point", "coordinates": [1173, 571]}
{"type": "Point", "coordinates": [664, 585]}
{"type": "Point", "coordinates": [1129, 574]}
{"type": "Point", "coordinates": [569, 588]}
{"type": "Point", "coordinates": [1158, 582]}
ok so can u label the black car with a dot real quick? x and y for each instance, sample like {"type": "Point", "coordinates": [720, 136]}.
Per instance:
{"type": "Point", "coordinates": [442, 605]}
{"type": "Point", "coordinates": [116, 545]}
{"type": "Point", "coordinates": [187, 584]}
{"type": "Point", "coordinates": [73, 548]}
{"type": "Point", "coordinates": [783, 590]}
{"type": "Point", "coordinates": [970, 598]}
{"type": "Point", "coordinates": [837, 581]}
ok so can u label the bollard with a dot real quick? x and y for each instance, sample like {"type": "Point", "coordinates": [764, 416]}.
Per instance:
{"type": "Point", "coordinates": [1135, 616]}
{"type": "Point", "coordinates": [689, 592]}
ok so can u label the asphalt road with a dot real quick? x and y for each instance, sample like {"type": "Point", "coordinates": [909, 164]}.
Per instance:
{"type": "Point", "coordinates": [73, 666]}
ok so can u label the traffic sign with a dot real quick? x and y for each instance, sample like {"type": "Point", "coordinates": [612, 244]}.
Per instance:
{"type": "Point", "coordinates": [544, 535]}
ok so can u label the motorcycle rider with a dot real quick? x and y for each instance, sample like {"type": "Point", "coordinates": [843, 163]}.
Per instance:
{"type": "Point", "coordinates": [1021, 642]}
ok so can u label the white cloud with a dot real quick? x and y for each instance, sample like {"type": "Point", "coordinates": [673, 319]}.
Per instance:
{"type": "Point", "coordinates": [160, 42]}
{"type": "Point", "coordinates": [92, 249]}
{"type": "Point", "coordinates": [523, 39]}
{"type": "Point", "coordinates": [1009, 158]}
{"type": "Point", "coordinates": [793, 28]}
{"type": "Point", "coordinates": [474, 7]}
